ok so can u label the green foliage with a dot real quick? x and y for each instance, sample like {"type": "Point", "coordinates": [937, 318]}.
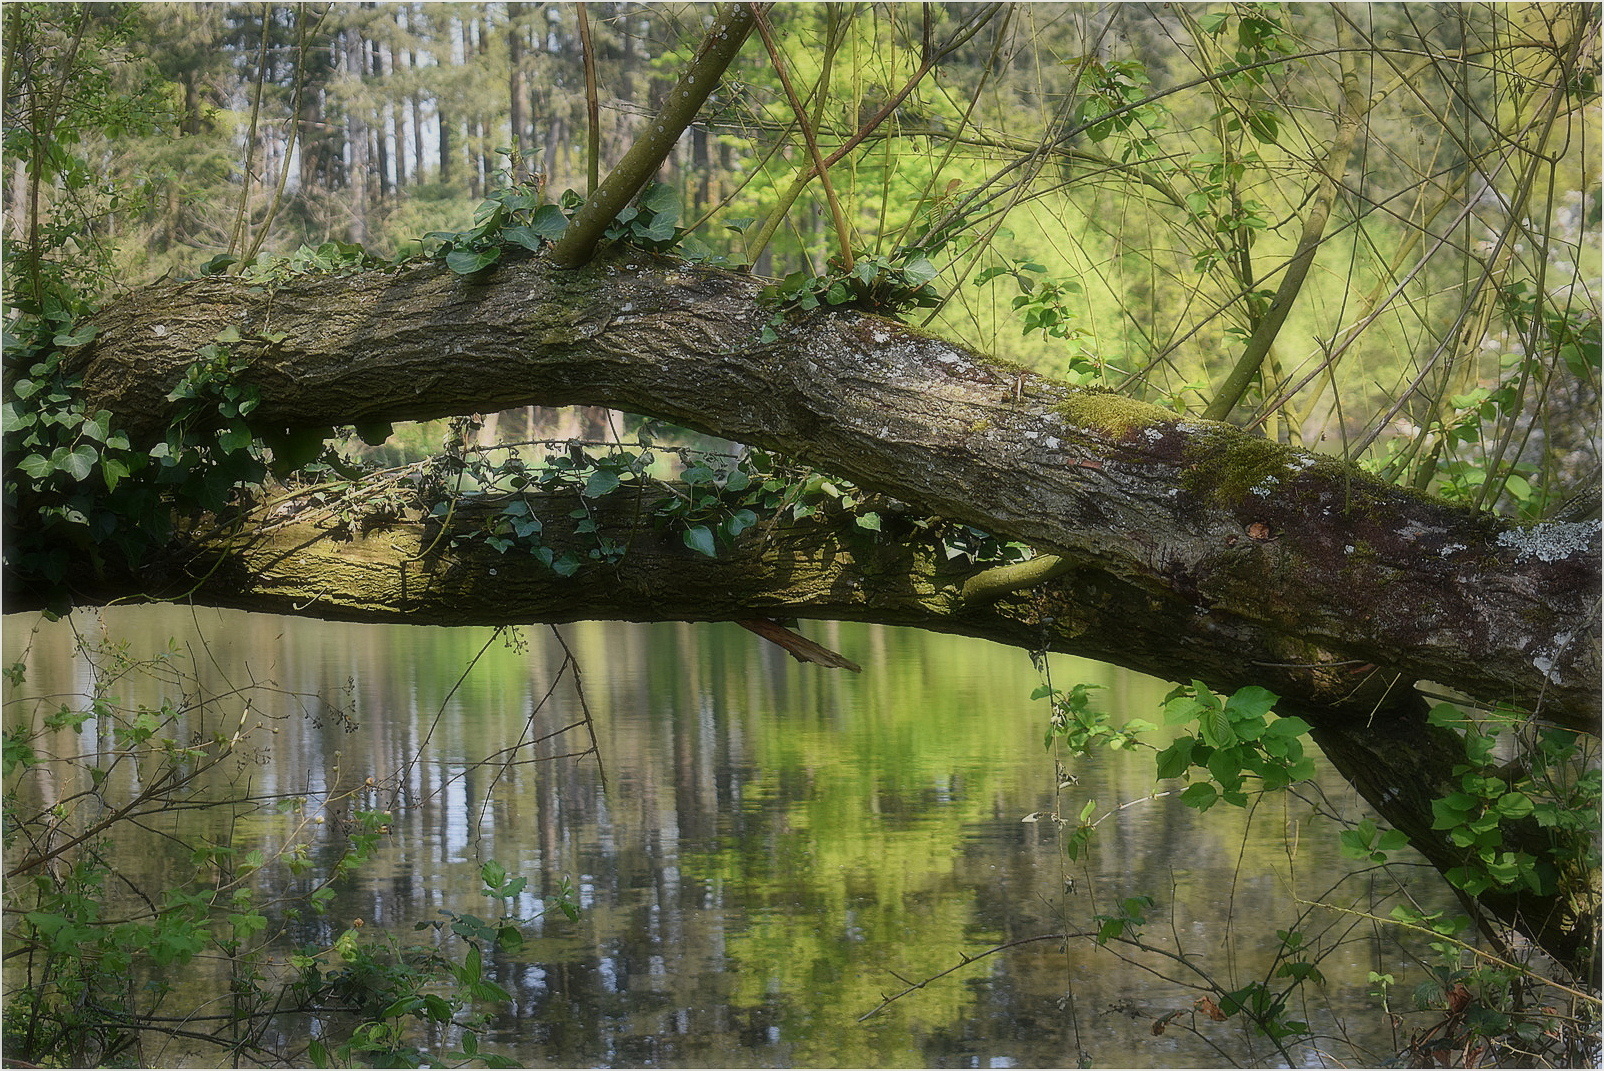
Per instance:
{"type": "Point", "coordinates": [651, 222]}
{"type": "Point", "coordinates": [885, 286]}
{"type": "Point", "coordinates": [1528, 825]}
{"type": "Point", "coordinates": [1265, 1009]}
{"type": "Point", "coordinates": [1113, 103]}
{"type": "Point", "coordinates": [1124, 922]}
{"type": "Point", "coordinates": [76, 489]}
{"type": "Point", "coordinates": [327, 259]}
{"type": "Point", "coordinates": [1235, 741]}
{"type": "Point", "coordinates": [1493, 1010]}
{"type": "Point", "coordinates": [707, 499]}
{"type": "Point", "coordinates": [513, 216]}
{"type": "Point", "coordinates": [88, 985]}
{"type": "Point", "coordinates": [1369, 843]}
{"type": "Point", "coordinates": [517, 216]}
{"type": "Point", "coordinates": [1078, 727]}
{"type": "Point", "coordinates": [61, 97]}
{"type": "Point", "coordinates": [1052, 306]}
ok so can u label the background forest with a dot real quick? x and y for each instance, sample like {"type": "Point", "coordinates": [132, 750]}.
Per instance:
{"type": "Point", "coordinates": [1368, 230]}
{"type": "Point", "coordinates": [1390, 239]}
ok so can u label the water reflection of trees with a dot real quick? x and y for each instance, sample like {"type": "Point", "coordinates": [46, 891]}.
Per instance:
{"type": "Point", "coordinates": [771, 844]}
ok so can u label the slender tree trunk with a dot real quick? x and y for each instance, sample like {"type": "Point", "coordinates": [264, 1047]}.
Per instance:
{"type": "Point", "coordinates": [517, 93]}
{"type": "Point", "coordinates": [444, 122]}
{"type": "Point", "coordinates": [380, 139]}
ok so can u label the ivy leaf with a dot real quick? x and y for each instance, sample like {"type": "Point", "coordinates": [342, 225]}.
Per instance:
{"type": "Point", "coordinates": [600, 483]}
{"type": "Point", "coordinates": [918, 272]}
{"type": "Point", "coordinates": [548, 222]}
{"type": "Point", "coordinates": [14, 418]}
{"type": "Point", "coordinates": [112, 472]}
{"type": "Point", "coordinates": [36, 465]}
{"type": "Point", "coordinates": [700, 539]}
{"type": "Point", "coordinates": [80, 462]}
{"type": "Point", "coordinates": [661, 229]}
{"type": "Point", "coordinates": [77, 337]}
{"type": "Point", "coordinates": [523, 236]}
{"type": "Point", "coordinates": [660, 197]}
{"type": "Point", "coordinates": [468, 261]}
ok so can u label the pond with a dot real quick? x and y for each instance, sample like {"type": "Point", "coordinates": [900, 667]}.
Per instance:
{"type": "Point", "coordinates": [759, 851]}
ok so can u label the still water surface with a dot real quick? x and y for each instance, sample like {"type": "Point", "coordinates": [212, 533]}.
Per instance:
{"type": "Point", "coordinates": [760, 850]}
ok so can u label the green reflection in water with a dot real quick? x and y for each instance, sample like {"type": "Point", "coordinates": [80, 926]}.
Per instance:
{"type": "Point", "coordinates": [776, 845]}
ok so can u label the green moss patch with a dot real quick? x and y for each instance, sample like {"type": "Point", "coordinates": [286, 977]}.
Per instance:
{"type": "Point", "coordinates": [1112, 413]}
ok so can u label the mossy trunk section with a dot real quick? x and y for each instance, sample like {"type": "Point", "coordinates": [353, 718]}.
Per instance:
{"type": "Point", "coordinates": [1188, 520]}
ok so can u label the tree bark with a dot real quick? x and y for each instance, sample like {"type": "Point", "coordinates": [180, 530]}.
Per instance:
{"type": "Point", "coordinates": [1188, 549]}
{"type": "Point", "coordinates": [1209, 521]}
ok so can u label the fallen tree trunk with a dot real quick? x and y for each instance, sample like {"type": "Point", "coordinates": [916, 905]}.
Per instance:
{"type": "Point", "coordinates": [1199, 518]}
{"type": "Point", "coordinates": [1185, 548]}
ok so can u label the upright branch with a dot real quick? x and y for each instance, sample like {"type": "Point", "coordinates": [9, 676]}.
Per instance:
{"type": "Point", "coordinates": [729, 31]}
{"type": "Point", "coordinates": [1297, 269]}
{"type": "Point", "coordinates": [592, 105]}
{"type": "Point", "coordinates": [843, 236]}
{"type": "Point", "coordinates": [928, 60]}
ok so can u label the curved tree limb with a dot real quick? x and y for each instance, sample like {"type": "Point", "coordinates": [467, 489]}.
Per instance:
{"type": "Point", "coordinates": [1209, 520]}
{"type": "Point", "coordinates": [1186, 548]}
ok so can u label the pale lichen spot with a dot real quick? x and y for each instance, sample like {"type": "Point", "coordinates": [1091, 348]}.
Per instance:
{"type": "Point", "coordinates": [1543, 661]}
{"type": "Point", "coordinates": [1265, 486]}
{"type": "Point", "coordinates": [1550, 541]}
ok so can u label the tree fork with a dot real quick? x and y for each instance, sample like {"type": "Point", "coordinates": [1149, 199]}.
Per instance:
{"type": "Point", "coordinates": [729, 31]}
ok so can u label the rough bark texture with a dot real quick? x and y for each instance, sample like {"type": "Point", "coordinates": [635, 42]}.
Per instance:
{"type": "Point", "coordinates": [1205, 520]}
{"type": "Point", "coordinates": [1189, 549]}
